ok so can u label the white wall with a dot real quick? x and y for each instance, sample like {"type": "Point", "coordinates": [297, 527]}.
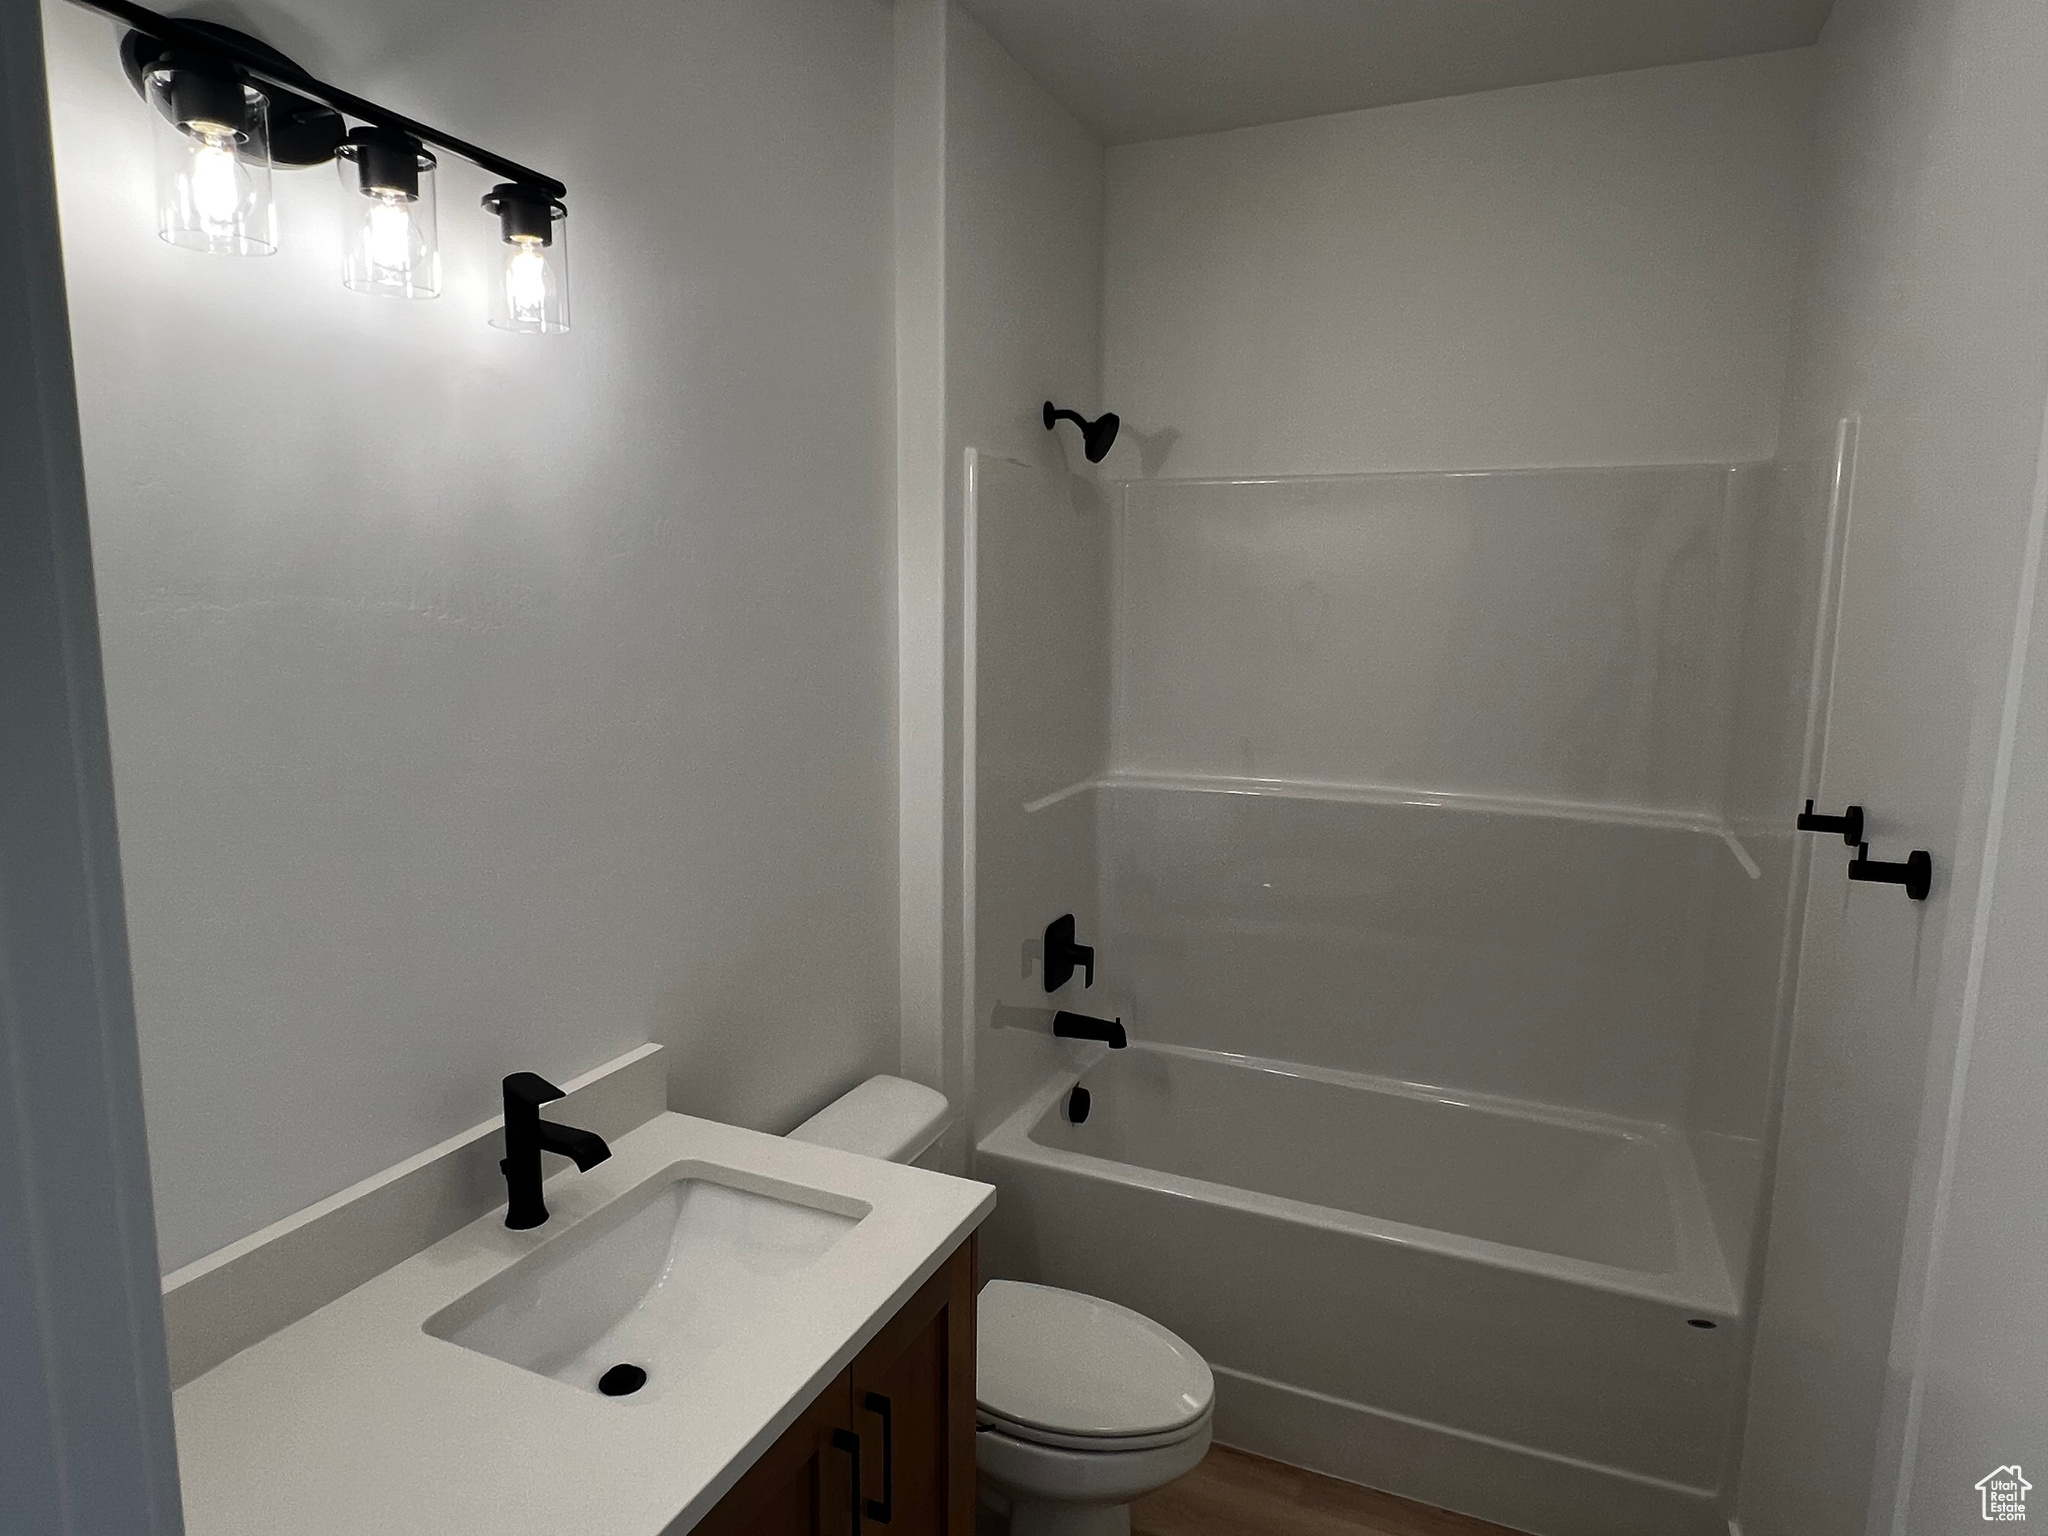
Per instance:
{"type": "Point", "coordinates": [1751, 925]}
{"type": "Point", "coordinates": [927, 766]}
{"type": "Point", "coordinates": [1924, 312]}
{"type": "Point", "coordinates": [1591, 272]}
{"type": "Point", "coordinates": [1023, 265]}
{"type": "Point", "coordinates": [1561, 637]}
{"type": "Point", "coordinates": [1974, 1356]}
{"type": "Point", "coordinates": [1039, 721]}
{"type": "Point", "coordinates": [1024, 189]}
{"type": "Point", "coordinates": [1548, 959]}
{"type": "Point", "coordinates": [484, 702]}
{"type": "Point", "coordinates": [87, 1443]}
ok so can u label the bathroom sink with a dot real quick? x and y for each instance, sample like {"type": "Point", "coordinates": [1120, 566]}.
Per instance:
{"type": "Point", "coordinates": [636, 1299]}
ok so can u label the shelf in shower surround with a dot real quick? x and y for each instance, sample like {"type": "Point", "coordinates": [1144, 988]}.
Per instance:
{"type": "Point", "coordinates": [1128, 482]}
{"type": "Point", "coordinates": [1343, 792]}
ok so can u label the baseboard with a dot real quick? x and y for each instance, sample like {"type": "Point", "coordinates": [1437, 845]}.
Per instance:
{"type": "Point", "coordinates": [1511, 1485]}
{"type": "Point", "coordinates": [219, 1305]}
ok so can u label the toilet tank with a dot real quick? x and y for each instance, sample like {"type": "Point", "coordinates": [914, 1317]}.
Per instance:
{"type": "Point", "coordinates": [886, 1117]}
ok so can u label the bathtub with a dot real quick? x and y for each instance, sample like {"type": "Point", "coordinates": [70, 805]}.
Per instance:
{"type": "Point", "coordinates": [1510, 1310]}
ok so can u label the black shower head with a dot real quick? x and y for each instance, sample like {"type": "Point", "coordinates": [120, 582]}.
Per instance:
{"type": "Point", "coordinates": [1097, 436]}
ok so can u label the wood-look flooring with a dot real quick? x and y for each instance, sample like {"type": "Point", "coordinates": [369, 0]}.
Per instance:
{"type": "Point", "coordinates": [1233, 1493]}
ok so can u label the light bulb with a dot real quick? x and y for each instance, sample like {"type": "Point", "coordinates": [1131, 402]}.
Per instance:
{"type": "Point", "coordinates": [212, 163]}
{"type": "Point", "coordinates": [389, 236]}
{"type": "Point", "coordinates": [533, 290]}
{"type": "Point", "coordinates": [526, 283]}
{"type": "Point", "coordinates": [216, 184]}
{"type": "Point", "coordinates": [393, 245]}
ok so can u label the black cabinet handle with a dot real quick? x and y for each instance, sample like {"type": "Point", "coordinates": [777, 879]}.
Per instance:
{"type": "Point", "coordinates": [846, 1440]}
{"type": "Point", "coordinates": [1849, 823]}
{"type": "Point", "coordinates": [883, 1510]}
{"type": "Point", "coordinates": [1916, 874]}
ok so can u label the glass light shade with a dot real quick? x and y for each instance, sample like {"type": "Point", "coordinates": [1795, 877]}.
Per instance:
{"type": "Point", "coordinates": [212, 164]}
{"type": "Point", "coordinates": [532, 290]}
{"type": "Point", "coordinates": [393, 240]}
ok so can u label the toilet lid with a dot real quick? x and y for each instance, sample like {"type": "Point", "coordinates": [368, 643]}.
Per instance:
{"type": "Point", "coordinates": [1077, 1365]}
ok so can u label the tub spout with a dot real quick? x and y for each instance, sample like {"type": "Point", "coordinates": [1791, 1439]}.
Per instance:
{"type": "Point", "coordinates": [1079, 1026]}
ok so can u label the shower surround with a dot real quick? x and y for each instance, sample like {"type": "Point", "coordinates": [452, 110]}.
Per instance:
{"type": "Point", "coordinates": [1425, 827]}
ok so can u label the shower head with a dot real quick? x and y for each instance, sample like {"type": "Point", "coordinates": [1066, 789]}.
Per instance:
{"type": "Point", "coordinates": [1097, 436]}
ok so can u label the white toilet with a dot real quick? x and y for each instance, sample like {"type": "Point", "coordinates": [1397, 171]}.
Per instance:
{"type": "Point", "coordinates": [1083, 1405]}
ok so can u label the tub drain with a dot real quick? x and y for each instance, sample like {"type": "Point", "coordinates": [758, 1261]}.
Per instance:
{"type": "Point", "coordinates": [622, 1380]}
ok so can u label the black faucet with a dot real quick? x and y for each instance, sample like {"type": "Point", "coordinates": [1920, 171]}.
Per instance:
{"type": "Point", "coordinates": [1079, 1026]}
{"type": "Point", "coordinates": [526, 1137]}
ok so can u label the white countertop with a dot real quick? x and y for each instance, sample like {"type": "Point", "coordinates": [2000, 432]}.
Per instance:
{"type": "Point", "coordinates": [356, 1422]}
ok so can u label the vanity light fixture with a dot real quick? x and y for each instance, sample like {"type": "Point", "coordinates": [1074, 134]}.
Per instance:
{"type": "Point", "coordinates": [229, 107]}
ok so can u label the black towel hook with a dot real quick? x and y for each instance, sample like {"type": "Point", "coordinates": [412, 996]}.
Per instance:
{"type": "Point", "coordinates": [1916, 874]}
{"type": "Point", "coordinates": [1849, 823]}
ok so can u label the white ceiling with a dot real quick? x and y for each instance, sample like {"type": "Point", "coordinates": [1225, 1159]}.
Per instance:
{"type": "Point", "coordinates": [1153, 69]}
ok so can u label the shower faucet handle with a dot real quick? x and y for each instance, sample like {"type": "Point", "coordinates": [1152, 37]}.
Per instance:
{"type": "Point", "coordinates": [1063, 955]}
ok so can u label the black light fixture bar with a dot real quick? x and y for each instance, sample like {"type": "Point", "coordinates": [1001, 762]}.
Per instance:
{"type": "Point", "coordinates": [267, 68]}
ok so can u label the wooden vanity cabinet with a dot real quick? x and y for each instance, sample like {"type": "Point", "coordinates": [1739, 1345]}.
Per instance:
{"type": "Point", "coordinates": [801, 1486]}
{"type": "Point", "coordinates": [903, 1412]}
{"type": "Point", "coordinates": [912, 1395]}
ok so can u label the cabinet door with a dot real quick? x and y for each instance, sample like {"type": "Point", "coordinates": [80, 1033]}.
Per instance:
{"type": "Point", "coordinates": [913, 1407]}
{"type": "Point", "coordinates": [803, 1483]}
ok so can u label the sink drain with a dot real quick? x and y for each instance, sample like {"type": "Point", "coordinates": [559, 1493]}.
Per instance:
{"type": "Point", "coordinates": [622, 1380]}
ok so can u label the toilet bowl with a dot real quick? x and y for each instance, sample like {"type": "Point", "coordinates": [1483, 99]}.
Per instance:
{"type": "Point", "coordinates": [1081, 1405]}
